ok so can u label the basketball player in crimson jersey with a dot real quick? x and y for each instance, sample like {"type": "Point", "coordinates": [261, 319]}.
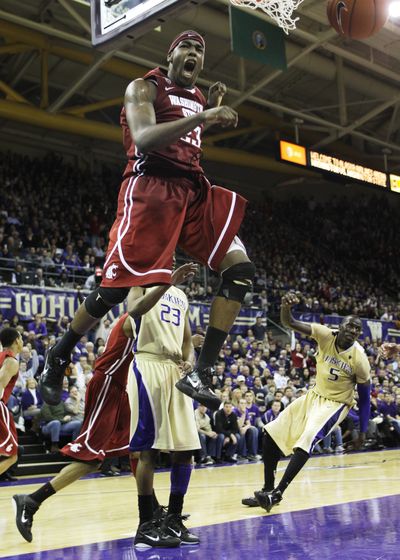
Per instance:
{"type": "Point", "coordinates": [166, 201]}
{"type": "Point", "coordinates": [106, 425]}
{"type": "Point", "coordinates": [11, 343]}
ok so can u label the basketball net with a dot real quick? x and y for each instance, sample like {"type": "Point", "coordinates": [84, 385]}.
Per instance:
{"type": "Point", "coordinates": [279, 10]}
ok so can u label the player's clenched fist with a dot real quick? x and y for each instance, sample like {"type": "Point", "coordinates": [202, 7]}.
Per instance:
{"type": "Point", "coordinates": [290, 299]}
{"type": "Point", "coordinates": [389, 350]}
{"type": "Point", "coordinates": [225, 116]}
{"type": "Point", "coordinates": [215, 94]}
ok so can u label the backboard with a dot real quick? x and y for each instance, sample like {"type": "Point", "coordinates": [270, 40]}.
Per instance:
{"type": "Point", "coordinates": [113, 19]}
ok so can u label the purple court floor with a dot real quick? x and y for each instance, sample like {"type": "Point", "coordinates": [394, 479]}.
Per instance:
{"type": "Point", "coordinates": [363, 530]}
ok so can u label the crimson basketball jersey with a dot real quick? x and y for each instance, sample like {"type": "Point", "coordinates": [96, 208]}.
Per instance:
{"type": "Point", "coordinates": [117, 355]}
{"type": "Point", "coordinates": [10, 386]}
{"type": "Point", "coordinates": [172, 103]}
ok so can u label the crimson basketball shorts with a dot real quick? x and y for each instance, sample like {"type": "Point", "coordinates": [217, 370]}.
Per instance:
{"type": "Point", "coordinates": [156, 215]}
{"type": "Point", "coordinates": [105, 429]}
{"type": "Point", "coordinates": [8, 433]}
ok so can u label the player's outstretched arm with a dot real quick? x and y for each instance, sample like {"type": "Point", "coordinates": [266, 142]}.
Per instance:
{"type": "Point", "coordinates": [287, 302]}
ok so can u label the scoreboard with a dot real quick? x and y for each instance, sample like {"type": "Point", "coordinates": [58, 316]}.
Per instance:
{"type": "Point", "coordinates": [395, 183]}
{"type": "Point", "coordinates": [332, 165]}
{"type": "Point", "coordinates": [113, 19]}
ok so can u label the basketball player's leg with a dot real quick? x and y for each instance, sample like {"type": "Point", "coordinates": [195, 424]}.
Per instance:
{"type": "Point", "coordinates": [271, 455]}
{"type": "Point", "coordinates": [269, 498]}
{"type": "Point", "coordinates": [324, 414]}
{"type": "Point", "coordinates": [237, 274]}
{"type": "Point", "coordinates": [134, 458]}
{"type": "Point", "coordinates": [96, 305]}
{"type": "Point", "coordinates": [305, 421]}
{"type": "Point", "coordinates": [145, 484]}
{"type": "Point", "coordinates": [26, 505]}
{"type": "Point", "coordinates": [150, 532]}
{"type": "Point", "coordinates": [180, 477]}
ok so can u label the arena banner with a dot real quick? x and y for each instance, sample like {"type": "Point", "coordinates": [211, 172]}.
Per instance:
{"type": "Point", "coordinates": [373, 328]}
{"type": "Point", "coordinates": [56, 303]}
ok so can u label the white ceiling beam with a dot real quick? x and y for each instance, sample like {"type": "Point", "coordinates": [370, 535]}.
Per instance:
{"type": "Point", "coordinates": [359, 122]}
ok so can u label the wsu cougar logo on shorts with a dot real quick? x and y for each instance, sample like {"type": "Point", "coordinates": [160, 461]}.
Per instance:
{"type": "Point", "coordinates": [111, 272]}
{"type": "Point", "coordinates": [75, 447]}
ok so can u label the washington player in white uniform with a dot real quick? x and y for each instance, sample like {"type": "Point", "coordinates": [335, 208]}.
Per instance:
{"type": "Point", "coordinates": [162, 417]}
{"type": "Point", "coordinates": [342, 365]}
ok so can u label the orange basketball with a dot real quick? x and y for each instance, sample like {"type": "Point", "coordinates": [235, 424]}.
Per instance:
{"type": "Point", "coordinates": [357, 19]}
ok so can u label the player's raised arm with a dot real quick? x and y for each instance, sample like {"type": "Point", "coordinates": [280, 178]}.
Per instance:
{"type": "Point", "coordinates": [216, 93]}
{"type": "Point", "coordinates": [388, 350]}
{"type": "Point", "coordinates": [287, 302]}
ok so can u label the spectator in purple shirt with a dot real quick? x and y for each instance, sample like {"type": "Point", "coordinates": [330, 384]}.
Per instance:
{"type": "Point", "coordinates": [388, 409]}
{"type": "Point", "coordinates": [248, 444]}
{"type": "Point", "coordinates": [228, 358]}
{"type": "Point", "coordinates": [38, 326]}
{"type": "Point", "coordinates": [70, 258]}
{"type": "Point", "coordinates": [249, 379]}
{"type": "Point", "coordinates": [272, 413]}
{"type": "Point", "coordinates": [252, 409]}
{"type": "Point", "coordinates": [387, 406]}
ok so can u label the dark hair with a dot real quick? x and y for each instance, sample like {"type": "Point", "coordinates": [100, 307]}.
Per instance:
{"type": "Point", "coordinates": [8, 336]}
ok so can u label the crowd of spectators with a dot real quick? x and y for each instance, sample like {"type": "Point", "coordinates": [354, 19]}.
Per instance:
{"type": "Point", "coordinates": [54, 220]}
{"type": "Point", "coordinates": [341, 255]}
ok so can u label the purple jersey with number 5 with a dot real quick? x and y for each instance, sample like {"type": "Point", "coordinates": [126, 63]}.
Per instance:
{"type": "Point", "coordinates": [161, 330]}
{"type": "Point", "coordinates": [171, 104]}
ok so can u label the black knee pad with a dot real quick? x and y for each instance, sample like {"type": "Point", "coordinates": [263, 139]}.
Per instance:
{"type": "Point", "coordinates": [237, 280]}
{"type": "Point", "coordinates": [101, 300]}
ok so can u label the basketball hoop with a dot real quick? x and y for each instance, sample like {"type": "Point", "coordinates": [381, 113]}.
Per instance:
{"type": "Point", "coordinates": [279, 10]}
